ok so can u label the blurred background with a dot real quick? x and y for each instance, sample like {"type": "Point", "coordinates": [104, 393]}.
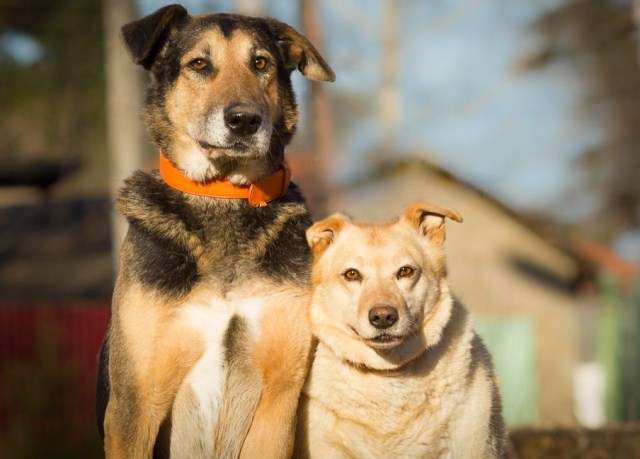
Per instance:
{"type": "Point", "coordinates": [522, 115]}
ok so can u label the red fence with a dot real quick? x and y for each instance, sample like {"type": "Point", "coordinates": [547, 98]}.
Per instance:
{"type": "Point", "coordinates": [48, 356]}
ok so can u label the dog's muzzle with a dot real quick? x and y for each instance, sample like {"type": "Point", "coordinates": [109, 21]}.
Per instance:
{"type": "Point", "coordinates": [242, 120]}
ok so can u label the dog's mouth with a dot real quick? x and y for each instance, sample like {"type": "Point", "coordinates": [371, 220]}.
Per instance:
{"type": "Point", "coordinates": [381, 341]}
{"type": "Point", "coordinates": [385, 341]}
{"type": "Point", "coordinates": [233, 150]}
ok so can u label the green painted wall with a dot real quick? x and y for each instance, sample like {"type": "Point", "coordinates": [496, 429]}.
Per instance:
{"type": "Point", "coordinates": [619, 348]}
{"type": "Point", "coordinates": [512, 345]}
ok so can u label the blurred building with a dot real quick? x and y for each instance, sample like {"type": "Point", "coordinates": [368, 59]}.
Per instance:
{"type": "Point", "coordinates": [546, 94]}
{"type": "Point", "coordinates": [56, 277]}
{"type": "Point", "coordinates": [519, 286]}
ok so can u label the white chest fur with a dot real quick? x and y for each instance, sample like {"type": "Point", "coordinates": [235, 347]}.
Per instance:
{"type": "Point", "coordinates": [198, 400]}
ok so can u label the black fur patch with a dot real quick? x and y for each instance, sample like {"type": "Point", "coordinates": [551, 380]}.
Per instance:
{"type": "Point", "coordinates": [161, 220]}
{"type": "Point", "coordinates": [234, 339]}
{"type": "Point", "coordinates": [288, 256]}
{"type": "Point", "coordinates": [145, 37]}
{"type": "Point", "coordinates": [102, 385]}
{"type": "Point", "coordinates": [148, 190]}
{"type": "Point", "coordinates": [161, 262]}
{"type": "Point", "coordinates": [162, 447]}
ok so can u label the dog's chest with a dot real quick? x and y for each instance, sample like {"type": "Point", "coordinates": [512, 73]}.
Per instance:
{"type": "Point", "coordinates": [371, 414]}
{"type": "Point", "coordinates": [198, 401]}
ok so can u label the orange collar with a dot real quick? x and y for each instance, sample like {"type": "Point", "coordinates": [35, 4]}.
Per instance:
{"type": "Point", "coordinates": [258, 194]}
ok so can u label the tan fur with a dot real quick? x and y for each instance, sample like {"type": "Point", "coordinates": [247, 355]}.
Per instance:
{"type": "Point", "coordinates": [285, 338]}
{"type": "Point", "coordinates": [263, 377]}
{"type": "Point", "coordinates": [153, 349]}
{"type": "Point", "coordinates": [208, 344]}
{"type": "Point", "coordinates": [429, 219]}
{"type": "Point", "coordinates": [433, 394]}
{"type": "Point", "coordinates": [154, 343]}
{"type": "Point", "coordinates": [234, 82]}
{"type": "Point", "coordinates": [242, 393]}
{"type": "Point", "coordinates": [322, 233]}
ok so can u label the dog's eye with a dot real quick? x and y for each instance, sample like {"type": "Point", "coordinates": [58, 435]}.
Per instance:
{"type": "Point", "coordinates": [260, 63]}
{"type": "Point", "coordinates": [352, 275]}
{"type": "Point", "coordinates": [406, 271]}
{"type": "Point", "coordinates": [198, 64]}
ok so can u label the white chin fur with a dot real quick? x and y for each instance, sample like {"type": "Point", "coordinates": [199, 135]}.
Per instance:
{"type": "Point", "coordinates": [195, 165]}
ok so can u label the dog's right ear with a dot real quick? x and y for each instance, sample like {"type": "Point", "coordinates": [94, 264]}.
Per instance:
{"type": "Point", "coordinates": [321, 234]}
{"type": "Point", "coordinates": [145, 37]}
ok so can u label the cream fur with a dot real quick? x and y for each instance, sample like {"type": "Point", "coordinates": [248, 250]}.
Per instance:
{"type": "Point", "coordinates": [434, 395]}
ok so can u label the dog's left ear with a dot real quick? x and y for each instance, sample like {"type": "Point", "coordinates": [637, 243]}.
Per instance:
{"type": "Point", "coordinates": [321, 234]}
{"type": "Point", "coordinates": [299, 53]}
{"type": "Point", "coordinates": [145, 37]}
{"type": "Point", "coordinates": [429, 220]}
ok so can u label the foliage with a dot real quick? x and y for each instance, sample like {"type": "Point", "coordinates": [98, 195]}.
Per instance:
{"type": "Point", "coordinates": [54, 107]}
{"type": "Point", "coordinates": [598, 38]}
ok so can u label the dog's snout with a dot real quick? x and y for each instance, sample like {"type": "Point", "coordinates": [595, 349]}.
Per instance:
{"type": "Point", "coordinates": [383, 316]}
{"type": "Point", "coordinates": [242, 120]}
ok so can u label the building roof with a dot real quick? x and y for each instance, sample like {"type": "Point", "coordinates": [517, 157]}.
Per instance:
{"type": "Point", "coordinates": [549, 232]}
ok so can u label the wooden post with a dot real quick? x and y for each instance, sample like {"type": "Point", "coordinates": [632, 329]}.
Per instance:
{"type": "Point", "coordinates": [389, 95]}
{"type": "Point", "coordinates": [636, 20]}
{"type": "Point", "coordinates": [322, 136]}
{"type": "Point", "coordinates": [125, 132]}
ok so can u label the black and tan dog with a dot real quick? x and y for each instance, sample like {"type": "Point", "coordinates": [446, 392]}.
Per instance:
{"type": "Point", "coordinates": [207, 347]}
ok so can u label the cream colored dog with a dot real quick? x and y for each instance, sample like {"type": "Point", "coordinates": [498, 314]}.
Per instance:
{"type": "Point", "coordinates": [398, 370]}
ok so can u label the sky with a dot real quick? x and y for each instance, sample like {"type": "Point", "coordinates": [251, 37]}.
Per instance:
{"type": "Point", "coordinates": [21, 47]}
{"type": "Point", "coordinates": [463, 104]}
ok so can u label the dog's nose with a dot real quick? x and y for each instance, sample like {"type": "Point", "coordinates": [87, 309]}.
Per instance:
{"type": "Point", "coordinates": [383, 316]}
{"type": "Point", "coordinates": [242, 120]}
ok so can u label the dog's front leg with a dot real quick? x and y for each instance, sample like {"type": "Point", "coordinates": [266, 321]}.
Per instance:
{"type": "Point", "coordinates": [117, 430]}
{"type": "Point", "coordinates": [281, 356]}
{"type": "Point", "coordinates": [129, 434]}
{"type": "Point", "coordinates": [273, 429]}
{"type": "Point", "coordinates": [138, 407]}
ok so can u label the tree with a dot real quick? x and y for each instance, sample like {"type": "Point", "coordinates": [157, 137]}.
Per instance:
{"type": "Point", "coordinates": [53, 106]}
{"type": "Point", "coordinates": [599, 38]}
